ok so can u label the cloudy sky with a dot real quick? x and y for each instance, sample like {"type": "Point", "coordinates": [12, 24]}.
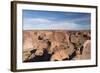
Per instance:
{"type": "Point", "coordinates": [46, 20]}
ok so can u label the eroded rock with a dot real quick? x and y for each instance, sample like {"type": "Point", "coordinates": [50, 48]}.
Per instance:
{"type": "Point", "coordinates": [60, 45]}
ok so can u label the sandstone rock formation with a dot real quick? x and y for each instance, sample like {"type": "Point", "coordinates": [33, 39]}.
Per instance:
{"type": "Point", "coordinates": [56, 45]}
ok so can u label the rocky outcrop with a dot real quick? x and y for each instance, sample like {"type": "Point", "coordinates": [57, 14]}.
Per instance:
{"type": "Point", "coordinates": [56, 45]}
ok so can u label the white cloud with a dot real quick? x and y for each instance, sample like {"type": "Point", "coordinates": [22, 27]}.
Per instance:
{"type": "Point", "coordinates": [80, 19]}
{"type": "Point", "coordinates": [35, 21]}
{"type": "Point", "coordinates": [43, 23]}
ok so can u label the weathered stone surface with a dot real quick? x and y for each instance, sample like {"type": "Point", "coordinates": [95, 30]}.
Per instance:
{"type": "Point", "coordinates": [59, 55]}
{"type": "Point", "coordinates": [64, 51]}
{"type": "Point", "coordinates": [86, 54]}
{"type": "Point", "coordinates": [59, 44]}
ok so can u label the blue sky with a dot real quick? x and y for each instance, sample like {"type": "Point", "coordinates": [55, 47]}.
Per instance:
{"type": "Point", "coordinates": [46, 20]}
